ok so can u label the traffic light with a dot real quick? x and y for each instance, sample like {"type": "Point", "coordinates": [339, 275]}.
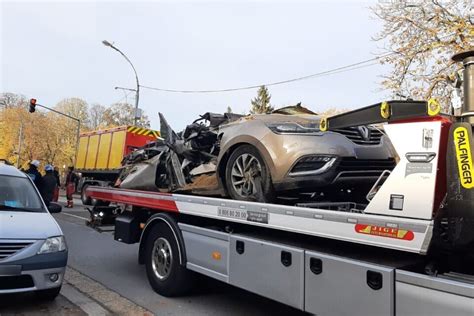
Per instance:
{"type": "Point", "coordinates": [32, 105]}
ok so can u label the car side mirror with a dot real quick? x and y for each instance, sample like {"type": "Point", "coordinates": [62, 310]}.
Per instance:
{"type": "Point", "coordinates": [54, 207]}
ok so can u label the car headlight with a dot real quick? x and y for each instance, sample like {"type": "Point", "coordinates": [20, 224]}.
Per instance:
{"type": "Point", "coordinates": [53, 244]}
{"type": "Point", "coordinates": [293, 128]}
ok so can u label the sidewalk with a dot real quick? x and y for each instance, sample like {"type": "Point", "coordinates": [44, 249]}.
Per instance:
{"type": "Point", "coordinates": [95, 299]}
{"type": "Point", "coordinates": [80, 296]}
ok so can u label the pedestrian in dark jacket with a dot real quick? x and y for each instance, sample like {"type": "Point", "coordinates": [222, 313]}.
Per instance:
{"type": "Point", "coordinates": [34, 174]}
{"type": "Point", "coordinates": [71, 179]}
{"type": "Point", "coordinates": [58, 182]}
{"type": "Point", "coordinates": [49, 184]}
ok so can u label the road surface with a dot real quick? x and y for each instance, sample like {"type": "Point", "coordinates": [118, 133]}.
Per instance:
{"type": "Point", "coordinates": [115, 265]}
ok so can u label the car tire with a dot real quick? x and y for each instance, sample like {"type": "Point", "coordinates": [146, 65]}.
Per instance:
{"type": "Point", "coordinates": [166, 275]}
{"type": "Point", "coordinates": [86, 200]}
{"type": "Point", "coordinates": [258, 181]}
{"type": "Point", "coordinates": [49, 294]}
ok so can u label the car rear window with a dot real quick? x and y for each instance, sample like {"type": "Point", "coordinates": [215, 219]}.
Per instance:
{"type": "Point", "coordinates": [19, 194]}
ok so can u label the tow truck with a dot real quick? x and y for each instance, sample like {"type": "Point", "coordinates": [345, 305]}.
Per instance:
{"type": "Point", "coordinates": [408, 251]}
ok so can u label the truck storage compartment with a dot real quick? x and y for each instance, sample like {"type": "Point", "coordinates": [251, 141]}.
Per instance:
{"type": "Point", "coordinates": [206, 251]}
{"type": "Point", "coordinates": [419, 294]}
{"type": "Point", "coordinates": [340, 286]}
{"type": "Point", "coordinates": [272, 270]}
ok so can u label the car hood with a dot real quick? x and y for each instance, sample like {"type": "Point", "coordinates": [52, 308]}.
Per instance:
{"type": "Point", "coordinates": [27, 225]}
{"type": "Point", "coordinates": [303, 119]}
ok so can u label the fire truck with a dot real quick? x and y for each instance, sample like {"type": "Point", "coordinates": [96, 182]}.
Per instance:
{"type": "Point", "coordinates": [100, 154]}
{"type": "Point", "coordinates": [408, 251]}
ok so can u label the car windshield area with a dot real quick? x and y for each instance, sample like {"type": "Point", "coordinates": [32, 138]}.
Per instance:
{"type": "Point", "coordinates": [18, 194]}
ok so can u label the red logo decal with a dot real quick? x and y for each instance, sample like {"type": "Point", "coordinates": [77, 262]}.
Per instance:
{"type": "Point", "coordinates": [384, 231]}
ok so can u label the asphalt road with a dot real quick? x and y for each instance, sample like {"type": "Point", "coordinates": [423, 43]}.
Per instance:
{"type": "Point", "coordinates": [115, 265]}
{"type": "Point", "coordinates": [27, 304]}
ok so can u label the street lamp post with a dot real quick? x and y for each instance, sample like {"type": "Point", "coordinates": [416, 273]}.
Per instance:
{"type": "Point", "coordinates": [137, 91]}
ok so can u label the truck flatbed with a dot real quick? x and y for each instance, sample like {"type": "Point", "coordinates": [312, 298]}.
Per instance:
{"type": "Point", "coordinates": [406, 234]}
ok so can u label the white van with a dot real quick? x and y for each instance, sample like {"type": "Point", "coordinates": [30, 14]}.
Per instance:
{"type": "Point", "coordinates": [33, 251]}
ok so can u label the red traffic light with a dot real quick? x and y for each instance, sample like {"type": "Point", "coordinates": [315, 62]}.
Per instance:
{"type": "Point", "coordinates": [32, 105]}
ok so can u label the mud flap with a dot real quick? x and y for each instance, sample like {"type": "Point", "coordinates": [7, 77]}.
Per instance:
{"type": "Point", "coordinates": [460, 185]}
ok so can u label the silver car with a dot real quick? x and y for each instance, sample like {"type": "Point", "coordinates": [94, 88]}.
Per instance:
{"type": "Point", "coordinates": [33, 251]}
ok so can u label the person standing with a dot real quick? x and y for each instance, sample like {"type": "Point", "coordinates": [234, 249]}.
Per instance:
{"type": "Point", "coordinates": [35, 175]}
{"type": "Point", "coordinates": [49, 185]}
{"type": "Point", "coordinates": [71, 179]}
{"type": "Point", "coordinates": [58, 184]}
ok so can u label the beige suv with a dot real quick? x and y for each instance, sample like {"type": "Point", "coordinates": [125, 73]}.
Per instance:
{"type": "Point", "coordinates": [285, 151]}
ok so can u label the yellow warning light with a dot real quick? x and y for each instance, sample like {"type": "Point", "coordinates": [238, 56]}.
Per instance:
{"type": "Point", "coordinates": [433, 107]}
{"type": "Point", "coordinates": [323, 124]}
{"type": "Point", "coordinates": [385, 110]}
{"type": "Point", "coordinates": [216, 255]}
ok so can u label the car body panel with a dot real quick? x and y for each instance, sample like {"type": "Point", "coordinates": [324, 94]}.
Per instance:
{"type": "Point", "coordinates": [29, 229]}
{"type": "Point", "coordinates": [281, 151]}
{"type": "Point", "coordinates": [33, 225]}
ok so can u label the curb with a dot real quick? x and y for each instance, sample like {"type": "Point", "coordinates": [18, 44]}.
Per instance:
{"type": "Point", "coordinates": [87, 305]}
{"type": "Point", "coordinates": [95, 299]}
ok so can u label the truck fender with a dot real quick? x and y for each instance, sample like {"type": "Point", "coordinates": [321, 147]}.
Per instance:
{"type": "Point", "coordinates": [173, 225]}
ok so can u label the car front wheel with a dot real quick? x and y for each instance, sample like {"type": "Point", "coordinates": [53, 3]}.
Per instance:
{"type": "Point", "coordinates": [247, 177]}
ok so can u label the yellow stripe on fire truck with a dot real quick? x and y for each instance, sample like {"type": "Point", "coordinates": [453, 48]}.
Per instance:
{"type": "Point", "coordinates": [143, 131]}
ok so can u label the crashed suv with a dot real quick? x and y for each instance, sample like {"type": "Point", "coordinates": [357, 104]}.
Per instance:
{"type": "Point", "coordinates": [257, 157]}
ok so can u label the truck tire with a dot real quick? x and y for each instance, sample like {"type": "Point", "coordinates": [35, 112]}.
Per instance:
{"type": "Point", "coordinates": [247, 177]}
{"type": "Point", "coordinates": [165, 273]}
{"type": "Point", "coordinates": [85, 199]}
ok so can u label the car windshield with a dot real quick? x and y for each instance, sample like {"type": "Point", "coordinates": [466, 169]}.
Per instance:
{"type": "Point", "coordinates": [19, 194]}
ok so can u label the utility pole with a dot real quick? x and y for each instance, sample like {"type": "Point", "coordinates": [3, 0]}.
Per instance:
{"type": "Point", "coordinates": [20, 140]}
{"type": "Point", "coordinates": [137, 90]}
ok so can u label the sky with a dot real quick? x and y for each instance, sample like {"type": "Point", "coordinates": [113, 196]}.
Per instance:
{"type": "Point", "coordinates": [53, 50]}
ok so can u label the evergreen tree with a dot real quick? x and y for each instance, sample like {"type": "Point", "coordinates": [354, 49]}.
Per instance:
{"type": "Point", "coordinates": [261, 103]}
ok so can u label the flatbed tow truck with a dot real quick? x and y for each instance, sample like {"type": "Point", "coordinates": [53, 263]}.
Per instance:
{"type": "Point", "coordinates": [409, 251]}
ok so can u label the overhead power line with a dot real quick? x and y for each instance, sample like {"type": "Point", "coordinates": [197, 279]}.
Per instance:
{"type": "Point", "coordinates": [354, 66]}
{"type": "Point", "coordinates": [350, 67]}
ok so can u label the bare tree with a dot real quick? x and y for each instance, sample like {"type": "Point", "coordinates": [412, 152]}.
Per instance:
{"type": "Point", "coordinates": [423, 35]}
{"type": "Point", "coordinates": [9, 100]}
{"type": "Point", "coordinates": [123, 114]}
{"type": "Point", "coordinates": [96, 116]}
{"type": "Point", "coordinates": [75, 107]}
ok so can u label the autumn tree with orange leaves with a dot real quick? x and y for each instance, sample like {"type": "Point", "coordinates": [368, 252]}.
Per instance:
{"type": "Point", "coordinates": [421, 37]}
{"type": "Point", "coordinates": [50, 137]}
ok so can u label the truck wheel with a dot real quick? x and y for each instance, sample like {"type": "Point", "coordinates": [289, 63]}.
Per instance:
{"type": "Point", "coordinates": [165, 274]}
{"type": "Point", "coordinates": [247, 177]}
{"type": "Point", "coordinates": [85, 199]}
